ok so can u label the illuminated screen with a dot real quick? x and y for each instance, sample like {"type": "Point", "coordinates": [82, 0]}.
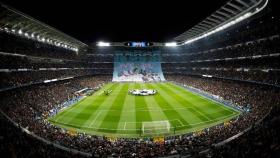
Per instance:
{"type": "Point", "coordinates": [138, 44]}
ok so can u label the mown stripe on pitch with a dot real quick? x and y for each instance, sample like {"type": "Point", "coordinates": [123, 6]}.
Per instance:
{"type": "Point", "coordinates": [111, 120]}
{"type": "Point", "coordinates": [98, 114]}
{"type": "Point", "coordinates": [184, 102]}
{"type": "Point", "coordinates": [163, 103]}
{"type": "Point", "coordinates": [127, 116]}
{"type": "Point", "coordinates": [141, 116]}
{"type": "Point", "coordinates": [204, 100]}
{"type": "Point", "coordinates": [67, 114]}
{"type": "Point", "coordinates": [180, 102]}
{"type": "Point", "coordinates": [211, 108]}
{"type": "Point", "coordinates": [183, 96]}
{"type": "Point", "coordinates": [91, 105]}
{"type": "Point", "coordinates": [209, 105]}
{"type": "Point", "coordinates": [159, 115]}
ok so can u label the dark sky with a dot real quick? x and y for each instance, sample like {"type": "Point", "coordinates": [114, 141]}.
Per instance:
{"type": "Point", "coordinates": [119, 20]}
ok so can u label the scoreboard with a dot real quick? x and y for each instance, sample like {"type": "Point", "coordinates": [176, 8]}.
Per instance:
{"type": "Point", "coordinates": [138, 44]}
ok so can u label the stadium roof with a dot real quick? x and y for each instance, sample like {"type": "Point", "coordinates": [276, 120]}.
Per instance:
{"type": "Point", "coordinates": [19, 23]}
{"type": "Point", "coordinates": [91, 23]}
{"type": "Point", "coordinates": [232, 12]}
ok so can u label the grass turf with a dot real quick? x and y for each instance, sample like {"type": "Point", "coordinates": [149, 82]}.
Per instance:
{"type": "Point", "coordinates": [121, 114]}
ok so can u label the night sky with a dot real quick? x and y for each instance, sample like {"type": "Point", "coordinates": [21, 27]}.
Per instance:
{"type": "Point", "coordinates": [119, 20]}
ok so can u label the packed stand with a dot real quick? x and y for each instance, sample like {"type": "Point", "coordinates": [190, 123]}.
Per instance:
{"type": "Point", "coordinates": [20, 78]}
{"type": "Point", "coordinates": [248, 51]}
{"type": "Point", "coordinates": [256, 62]}
{"type": "Point", "coordinates": [262, 141]}
{"type": "Point", "coordinates": [16, 143]}
{"type": "Point", "coordinates": [11, 61]}
{"type": "Point", "coordinates": [19, 70]}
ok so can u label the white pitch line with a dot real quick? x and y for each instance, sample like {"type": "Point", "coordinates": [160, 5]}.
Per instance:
{"type": "Point", "coordinates": [216, 119]}
{"type": "Point", "coordinates": [124, 125]}
{"type": "Point", "coordinates": [180, 122]}
{"type": "Point", "coordinates": [169, 121]}
{"type": "Point", "coordinates": [198, 111]}
{"type": "Point", "coordinates": [208, 99]}
{"type": "Point", "coordinates": [155, 109]}
{"type": "Point", "coordinates": [177, 120]}
{"type": "Point", "coordinates": [95, 118]}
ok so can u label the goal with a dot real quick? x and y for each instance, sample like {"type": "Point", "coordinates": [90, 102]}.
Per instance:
{"type": "Point", "coordinates": [155, 127]}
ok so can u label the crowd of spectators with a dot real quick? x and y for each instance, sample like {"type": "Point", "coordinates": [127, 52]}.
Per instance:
{"type": "Point", "coordinates": [268, 62]}
{"type": "Point", "coordinates": [25, 62]}
{"type": "Point", "coordinates": [19, 78]}
{"type": "Point", "coordinates": [10, 61]}
{"type": "Point", "coordinates": [267, 45]}
{"type": "Point", "coordinates": [262, 76]}
{"type": "Point", "coordinates": [241, 62]}
{"type": "Point", "coordinates": [261, 141]}
{"type": "Point", "coordinates": [99, 57]}
{"type": "Point", "coordinates": [35, 102]}
{"type": "Point", "coordinates": [16, 143]}
{"type": "Point", "coordinates": [18, 68]}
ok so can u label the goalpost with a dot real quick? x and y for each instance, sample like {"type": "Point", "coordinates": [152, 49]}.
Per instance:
{"type": "Point", "coordinates": [155, 127]}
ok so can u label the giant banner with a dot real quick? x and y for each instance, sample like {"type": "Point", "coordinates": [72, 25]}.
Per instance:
{"type": "Point", "coordinates": [137, 66]}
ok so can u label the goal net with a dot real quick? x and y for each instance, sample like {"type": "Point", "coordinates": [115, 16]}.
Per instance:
{"type": "Point", "coordinates": [155, 127]}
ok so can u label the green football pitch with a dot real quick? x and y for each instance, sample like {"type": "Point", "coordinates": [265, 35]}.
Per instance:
{"type": "Point", "coordinates": [172, 110]}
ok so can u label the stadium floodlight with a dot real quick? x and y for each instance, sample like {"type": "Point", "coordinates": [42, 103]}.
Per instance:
{"type": "Point", "coordinates": [74, 49]}
{"type": "Point", "coordinates": [26, 34]}
{"type": "Point", "coordinates": [103, 44]}
{"type": "Point", "coordinates": [207, 76]}
{"type": "Point", "coordinates": [171, 44]}
{"type": "Point", "coordinates": [19, 32]}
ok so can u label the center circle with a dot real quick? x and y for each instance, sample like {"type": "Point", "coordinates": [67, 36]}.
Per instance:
{"type": "Point", "coordinates": [143, 92]}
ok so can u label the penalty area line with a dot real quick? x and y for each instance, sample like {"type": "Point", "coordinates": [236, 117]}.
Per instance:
{"type": "Point", "coordinates": [180, 122]}
{"type": "Point", "coordinates": [95, 118]}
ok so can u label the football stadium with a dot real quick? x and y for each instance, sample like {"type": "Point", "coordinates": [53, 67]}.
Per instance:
{"type": "Point", "coordinates": [130, 86]}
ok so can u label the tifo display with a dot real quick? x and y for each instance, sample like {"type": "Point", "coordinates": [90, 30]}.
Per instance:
{"type": "Point", "coordinates": [138, 66]}
{"type": "Point", "coordinates": [143, 92]}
